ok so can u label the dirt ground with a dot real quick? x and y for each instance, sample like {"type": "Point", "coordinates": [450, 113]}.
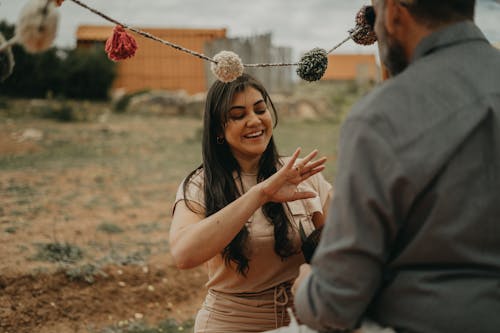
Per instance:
{"type": "Point", "coordinates": [98, 187]}
{"type": "Point", "coordinates": [85, 213]}
{"type": "Point", "coordinates": [49, 303]}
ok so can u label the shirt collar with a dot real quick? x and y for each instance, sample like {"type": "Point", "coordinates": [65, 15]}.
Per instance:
{"type": "Point", "coordinates": [453, 34]}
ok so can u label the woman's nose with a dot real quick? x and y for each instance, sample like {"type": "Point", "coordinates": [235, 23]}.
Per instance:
{"type": "Point", "coordinates": [253, 119]}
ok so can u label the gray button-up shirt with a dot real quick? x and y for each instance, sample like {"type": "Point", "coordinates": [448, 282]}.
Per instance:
{"type": "Point", "coordinates": [413, 233]}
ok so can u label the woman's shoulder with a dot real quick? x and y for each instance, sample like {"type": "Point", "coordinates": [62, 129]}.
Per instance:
{"type": "Point", "coordinates": [195, 178]}
{"type": "Point", "coordinates": [192, 188]}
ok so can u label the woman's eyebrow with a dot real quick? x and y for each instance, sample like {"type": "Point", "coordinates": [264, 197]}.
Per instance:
{"type": "Point", "coordinates": [242, 107]}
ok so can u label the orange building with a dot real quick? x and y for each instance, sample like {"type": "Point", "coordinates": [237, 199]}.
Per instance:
{"type": "Point", "coordinates": [155, 65]}
{"type": "Point", "coordinates": [352, 67]}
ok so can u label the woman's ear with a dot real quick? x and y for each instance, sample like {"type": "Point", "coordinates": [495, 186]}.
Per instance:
{"type": "Point", "coordinates": [220, 139]}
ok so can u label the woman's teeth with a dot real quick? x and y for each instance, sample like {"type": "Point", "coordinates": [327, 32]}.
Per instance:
{"type": "Point", "coordinates": [254, 135]}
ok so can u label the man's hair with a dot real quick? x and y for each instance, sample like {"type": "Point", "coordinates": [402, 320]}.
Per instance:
{"type": "Point", "coordinates": [434, 13]}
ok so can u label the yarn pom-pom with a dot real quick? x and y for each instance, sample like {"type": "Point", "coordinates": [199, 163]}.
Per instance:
{"type": "Point", "coordinates": [37, 25]}
{"type": "Point", "coordinates": [228, 66]}
{"type": "Point", "coordinates": [6, 60]}
{"type": "Point", "coordinates": [313, 65]}
{"type": "Point", "coordinates": [120, 45]}
{"type": "Point", "coordinates": [363, 33]}
{"type": "Point", "coordinates": [59, 2]}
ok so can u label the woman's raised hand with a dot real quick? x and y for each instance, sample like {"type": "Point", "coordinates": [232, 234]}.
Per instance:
{"type": "Point", "coordinates": [282, 186]}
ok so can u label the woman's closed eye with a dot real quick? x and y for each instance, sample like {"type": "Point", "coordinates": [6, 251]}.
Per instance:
{"type": "Point", "coordinates": [236, 114]}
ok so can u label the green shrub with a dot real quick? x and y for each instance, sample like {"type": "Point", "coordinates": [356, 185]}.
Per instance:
{"type": "Point", "coordinates": [109, 228]}
{"type": "Point", "coordinates": [75, 73]}
{"type": "Point", "coordinates": [84, 273]}
{"type": "Point", "coordinates": [62, 112]}
{"type": "Point", "coordinates": [122, 103]}
{"type": "Point", "coordinates": [58, 252]}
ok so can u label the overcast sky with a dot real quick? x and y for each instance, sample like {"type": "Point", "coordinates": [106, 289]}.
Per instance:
{"type": "Point", "coordinates": [301, 25]}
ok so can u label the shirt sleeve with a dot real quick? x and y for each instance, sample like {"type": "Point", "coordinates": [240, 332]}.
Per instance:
{"type": "Point", "coordinates": [361, 223]}
{"type": "Point", "coordinates": [194, 191]}
{"type": "Point", "coordinates": [323, 188]}
{"type": "Point", "coordinates": [319, 185]}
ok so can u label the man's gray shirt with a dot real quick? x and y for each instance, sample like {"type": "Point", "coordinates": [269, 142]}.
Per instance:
{"type": "Point", "coordinates": [412, 238]}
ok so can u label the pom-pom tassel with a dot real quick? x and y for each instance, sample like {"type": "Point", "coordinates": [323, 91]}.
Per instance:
{"type": "Point", "coordinates": [37, 25]}
{"type": "Point", "coordinates": [228, 66]}
{"type": "Point", "coordinates": [120, 45]}
{"type": "Point", "coordinates": [6, 60]}
{"type": "Point", "coordinates": [364, 33]}
{"type": "Point", "coordinates": [313, 65]}
{"type": "Point", "coordinates": [59, 2]}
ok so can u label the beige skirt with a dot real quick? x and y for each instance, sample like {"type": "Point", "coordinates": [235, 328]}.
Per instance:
{"type": "Point", "coordinates": [246, 312]}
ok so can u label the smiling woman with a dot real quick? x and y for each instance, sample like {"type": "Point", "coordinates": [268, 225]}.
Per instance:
{"type": "Point", "coordinates": [240, 211]}
{"type": "Point", "coordinates": [249, 128]}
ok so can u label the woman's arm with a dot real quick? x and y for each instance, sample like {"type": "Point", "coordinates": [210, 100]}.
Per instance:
{"type": "Point", "coordinates": [194, 239]}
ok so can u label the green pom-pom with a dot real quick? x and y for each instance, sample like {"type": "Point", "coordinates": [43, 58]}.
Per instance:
{"type": "Point", "coordinates": [313, 65]}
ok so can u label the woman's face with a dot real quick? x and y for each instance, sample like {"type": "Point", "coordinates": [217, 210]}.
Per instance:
{"type": "Point", "coordinates": [250, 126]}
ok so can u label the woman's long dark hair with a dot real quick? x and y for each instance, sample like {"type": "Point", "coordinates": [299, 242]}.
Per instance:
{"type": "Point", "coordinates": [219, 166]}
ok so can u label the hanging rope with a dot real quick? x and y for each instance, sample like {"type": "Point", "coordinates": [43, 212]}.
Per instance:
{"type": "Point", "coordinates": [226, 65]}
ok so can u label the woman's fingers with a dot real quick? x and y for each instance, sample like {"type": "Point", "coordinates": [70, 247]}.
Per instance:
{"type": "Point", "coordinates": [303, 195]}
{"type": "Point", "coordinates": [311, 172]}
{"type": "Point", "coordinates": [309, 157]}
{"type": "Point", "coordinates": [313, 165]}
{"type": "Point", "coordinates": [305, 168]}
{"type": "Point", "coordinates": [294, 157]}
{"type": "Point", "coordinates": [299, 167]}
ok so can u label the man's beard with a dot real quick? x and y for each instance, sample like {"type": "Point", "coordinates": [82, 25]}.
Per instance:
{"type": "Point", "coordinates": [393, 55]}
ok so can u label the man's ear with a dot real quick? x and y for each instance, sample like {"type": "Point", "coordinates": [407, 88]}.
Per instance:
{"type": "Point", "coordinates": [391, 16]}
{"type": "Point", "coordinates": [396, 19]}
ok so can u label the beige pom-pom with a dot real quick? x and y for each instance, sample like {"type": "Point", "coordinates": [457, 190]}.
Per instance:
{"type": "Point", "coordinates": [36, 27]}
{"type": "Point", "coordinates": [228, 66]}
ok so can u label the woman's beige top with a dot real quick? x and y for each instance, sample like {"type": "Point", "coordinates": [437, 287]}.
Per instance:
{"type": "Point", "coordinates": [266, 268]}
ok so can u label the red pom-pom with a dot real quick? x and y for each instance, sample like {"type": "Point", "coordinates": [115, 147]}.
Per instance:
{"type": "Point", "coordinates": [121, 45]}
{"type": "Point", "coordinates": [59, 3]}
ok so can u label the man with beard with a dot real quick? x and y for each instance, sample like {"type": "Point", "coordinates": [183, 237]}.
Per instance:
{"type": "Point", "coordinates": [412, 240]}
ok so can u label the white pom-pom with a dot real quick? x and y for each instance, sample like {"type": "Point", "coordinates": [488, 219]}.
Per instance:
{"type": "Point", "coordinates": [37, 25]}
{"type": "Point", "coordinates": [228, 66]}
{"type": "Point", "coordinates": [6, 60]}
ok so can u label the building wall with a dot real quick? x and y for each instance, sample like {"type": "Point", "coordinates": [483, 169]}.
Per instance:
{"type": "Point", "coordinates": [352, 67]}
{"type": "Point", "coordinates": [155, 65]}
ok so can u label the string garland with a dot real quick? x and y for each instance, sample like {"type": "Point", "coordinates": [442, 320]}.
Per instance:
{"type": "Point", "coordinates": [37, 26]}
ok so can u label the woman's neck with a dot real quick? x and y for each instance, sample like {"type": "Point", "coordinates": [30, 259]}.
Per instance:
{"type": "Point", "coordinates": [249, 166]}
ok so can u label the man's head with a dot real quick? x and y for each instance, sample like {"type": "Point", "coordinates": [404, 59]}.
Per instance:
{"type": "Point", "coordinates": [401, 24]}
